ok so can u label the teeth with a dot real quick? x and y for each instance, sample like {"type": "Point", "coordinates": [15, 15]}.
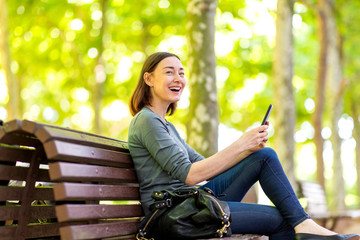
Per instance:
{"type": "Point", "coordinates": [175, 89]}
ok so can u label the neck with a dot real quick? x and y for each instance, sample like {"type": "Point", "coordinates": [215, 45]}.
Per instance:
{"type": "Point", "coordinates": [159, 111]}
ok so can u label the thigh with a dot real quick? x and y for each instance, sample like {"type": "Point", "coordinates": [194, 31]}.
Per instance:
{"type": "Point", "coordinates": [259, 219]}
{"type": "Point", "coordinates": [236, 181]}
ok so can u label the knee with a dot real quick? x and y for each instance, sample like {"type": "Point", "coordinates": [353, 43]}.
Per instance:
{"type": "Point", "coordinates": [268, 152]}
{"type": "Point", "coordinates": [267, 155]}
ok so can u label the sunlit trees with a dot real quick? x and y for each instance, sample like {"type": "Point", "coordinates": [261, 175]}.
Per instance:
{"type": "Point", "coordinates": [79, 61]}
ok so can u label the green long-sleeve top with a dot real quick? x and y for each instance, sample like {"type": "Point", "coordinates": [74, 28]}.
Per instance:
{"type": "Point", "coordinates": [162, 159]}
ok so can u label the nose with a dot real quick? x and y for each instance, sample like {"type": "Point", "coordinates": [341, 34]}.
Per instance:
{"type": "Point", "coordinates": [178, 77]}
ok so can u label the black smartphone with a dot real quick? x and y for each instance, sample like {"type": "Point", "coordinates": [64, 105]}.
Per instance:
{"type": "Point", "coordinates": [267, 114]}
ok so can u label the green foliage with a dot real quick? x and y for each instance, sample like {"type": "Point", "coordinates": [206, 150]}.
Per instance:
{"type": "Point", "coordinates": [55, 48]}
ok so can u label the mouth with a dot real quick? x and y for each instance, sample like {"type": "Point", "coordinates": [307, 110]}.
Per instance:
{"type": "Point", "coordinates": [175, 89]}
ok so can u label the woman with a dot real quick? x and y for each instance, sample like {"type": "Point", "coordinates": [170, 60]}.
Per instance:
{"type": "Point", "coordinates": [164, 161]}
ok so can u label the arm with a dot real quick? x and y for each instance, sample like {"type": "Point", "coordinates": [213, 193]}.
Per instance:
{"type": "Point", "coordinates": [156, 147]}
{"type": "Point", "coordinates": [212, 166]}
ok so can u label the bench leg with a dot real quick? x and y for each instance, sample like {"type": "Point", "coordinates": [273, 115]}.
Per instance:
{"type": "Point", "coordinates": [27, 196]}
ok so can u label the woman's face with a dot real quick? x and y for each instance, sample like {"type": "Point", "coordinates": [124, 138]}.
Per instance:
{"type": "Point", "coordinates": [166, 82]}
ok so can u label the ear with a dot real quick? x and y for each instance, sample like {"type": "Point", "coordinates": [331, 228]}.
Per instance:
{"type": "Point", "coordinates": [148, 79]}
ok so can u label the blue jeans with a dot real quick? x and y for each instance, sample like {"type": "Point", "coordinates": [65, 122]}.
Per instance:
{"type": "Point", "coordinates": [276, 222]}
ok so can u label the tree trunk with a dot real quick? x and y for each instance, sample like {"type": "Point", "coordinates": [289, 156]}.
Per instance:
{"type": "Point", "coordinates": [100, 74]}
{"type": "Point", "coordinates": [334, 91]}
{"type": "Point", "coordinates": [329, 80]}
{"type": "Point", "coordinates": [203, 117]}
{"type": "Point", "coordinates": [283, 88]}
{"type": "Point", "coordinates": [356, 134]}
{"type": "Point", "coordinates": [13, 106]}
{"type": "Point", "coordinates": [320, 97]}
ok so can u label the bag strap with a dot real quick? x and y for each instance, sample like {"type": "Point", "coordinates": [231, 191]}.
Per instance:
{"type": "Point", "coordinates": [157, 209]}
{"type": "Point", "coordinates": [148, 222]}
{"type": "Point", "coordinates": [163, 201]}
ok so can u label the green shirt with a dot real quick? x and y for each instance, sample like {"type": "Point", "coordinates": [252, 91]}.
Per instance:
{"type": "Point", "coordinates": [161, 157]}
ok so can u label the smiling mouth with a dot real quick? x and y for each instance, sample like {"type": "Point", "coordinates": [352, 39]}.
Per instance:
{"type": "Point", "coordinates": [175, 89]}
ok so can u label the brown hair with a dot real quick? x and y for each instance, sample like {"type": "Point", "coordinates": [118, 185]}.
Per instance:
{"type": "Point", "coordinates": [141, 95]}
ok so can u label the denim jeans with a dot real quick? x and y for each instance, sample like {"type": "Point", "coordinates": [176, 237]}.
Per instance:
{"type": "Point", "coordinates": [276, 222]}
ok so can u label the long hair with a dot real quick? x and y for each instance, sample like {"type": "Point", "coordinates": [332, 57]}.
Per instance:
{"type": "Point", "coordinates": [141, 95]}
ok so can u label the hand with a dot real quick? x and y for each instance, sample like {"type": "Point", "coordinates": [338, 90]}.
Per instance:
{"type": "Point", "coordinates": [254, 139]}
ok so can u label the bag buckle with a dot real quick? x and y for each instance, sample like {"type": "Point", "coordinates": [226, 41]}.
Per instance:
{"type": "Point", "coordinates": [164, 203]}
{"type": "Point", "coordinates": [223, 230]}
{"type": "Point", "coordinates": [138, 237]}
{"type": "Point", "coordinates": [168, 202]}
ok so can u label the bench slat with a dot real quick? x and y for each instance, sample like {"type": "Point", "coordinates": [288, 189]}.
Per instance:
{"type": "Point", "coordinates": [7, 232]}
{"type": "Point", "coordinates": [19, 139]}
{"type": "Point", "coordinates": [36, 212]}
{"type": "Point", "coordinates": [20, 173]}
{"type": "Point", "coordinates": [13, 125]}
{"type": "Point", "coordinates": [46, 133]}
{"type": "Point", "coordinates": [13, 154]}
{"type": "Point", "coordinates": [96, 231]}
{"type": "Point", "coordinates": [15, 193]}
{"type": "Point", "coordinates": [81, 172]}
{"type": "Point", "coordinates": [42, 230]}
{"type": "Point", "coordinates": [32, 231]}
{"type": "Point", "coordinates": [79, 191]}
{"type": "Point", "coordinates": [57, 150]}
{"type": "Point", "coordinates": [75, 212]}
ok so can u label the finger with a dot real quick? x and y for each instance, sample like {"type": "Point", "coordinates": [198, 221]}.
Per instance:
{"type": "Point", "coordinates": [264, 134]}
{"type": "Point", "coordinates": [263, 128]}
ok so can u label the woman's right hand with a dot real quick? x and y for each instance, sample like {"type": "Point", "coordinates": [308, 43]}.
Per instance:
{"type": "Point", "coordinates": [210, 167]}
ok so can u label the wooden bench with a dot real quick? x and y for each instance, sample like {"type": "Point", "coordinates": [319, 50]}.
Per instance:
{"type": "Point", "coordinates": [317, 207]}
{"type": "Point", "coordinates": [69, 183]}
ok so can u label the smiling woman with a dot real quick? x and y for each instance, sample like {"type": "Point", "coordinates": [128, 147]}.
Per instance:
{"type": "Point", "coordinates": [165, 162]}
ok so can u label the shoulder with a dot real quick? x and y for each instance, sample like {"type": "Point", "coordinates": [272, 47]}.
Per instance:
{"type": "Point", "coordinates": [145, 117]}
{"type": "Point", "coordinates": [147, 122]}
{"type": "Point", "coordinates": [170, 125]}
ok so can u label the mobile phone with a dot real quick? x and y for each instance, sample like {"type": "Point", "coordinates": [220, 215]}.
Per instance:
{"type": "Point", "coordinates": [267, 114]}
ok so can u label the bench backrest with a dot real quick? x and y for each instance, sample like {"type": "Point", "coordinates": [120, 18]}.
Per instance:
{"type": "Point", "coordinates": [314, 194]}
{"type": "Point", "coordinates": [85, 182]}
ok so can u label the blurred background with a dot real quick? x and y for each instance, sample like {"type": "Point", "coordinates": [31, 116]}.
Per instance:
{"type": "Point", "coordinates": [75, 63]}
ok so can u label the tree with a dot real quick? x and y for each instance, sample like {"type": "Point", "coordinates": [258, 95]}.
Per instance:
{"type": "Point", "coordinates": [351, 36]}
{"type": "Point", "coordinates": [283, 87]}
{"type": "Point", "coordinates": [320, 93]}
{"type": "Point", "coordinates": [335, 89]}
{"type": "Point", "coordinates": [355, 115]}
{"type": "Point", "coordinates": [12, 81]}
{"type": "Point", "coordinates": [100, 74]}
{"type": "Point", "coordinates": [203, 117]}
{"type": "Point", "coordinates": [329, 83]}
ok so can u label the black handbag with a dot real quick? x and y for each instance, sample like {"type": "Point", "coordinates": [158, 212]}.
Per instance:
{"type": "Point", "coordinates": [189, 213]}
